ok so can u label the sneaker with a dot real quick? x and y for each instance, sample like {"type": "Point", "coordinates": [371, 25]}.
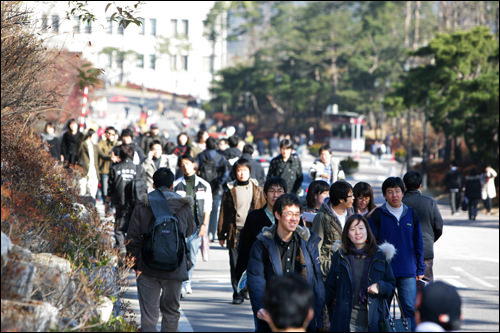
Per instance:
{"type": "Point", "coordinates": [238, 300]}
{"type": "Point", "coordinates": [183, 292]}
{"type": "Point", "coordinates": [188, 290]}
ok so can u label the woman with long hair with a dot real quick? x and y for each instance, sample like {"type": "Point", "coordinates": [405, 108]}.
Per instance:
{"type": "Point", "coordinates": [317, 192]}
{"type": "Point", "coordinates": [360, 277]}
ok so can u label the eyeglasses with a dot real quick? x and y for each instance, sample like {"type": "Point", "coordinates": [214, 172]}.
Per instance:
{"type": "Point", "coordinates": [290, 214]}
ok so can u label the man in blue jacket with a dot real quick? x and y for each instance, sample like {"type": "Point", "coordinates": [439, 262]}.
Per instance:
{"type": "Point", "coordinates": [281, 248]}
{"type": "Point", "coordinates": [396, 223]}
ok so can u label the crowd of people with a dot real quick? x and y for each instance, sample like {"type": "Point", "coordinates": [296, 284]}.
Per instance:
{"type": "Point", "coordinates": [352, 255]}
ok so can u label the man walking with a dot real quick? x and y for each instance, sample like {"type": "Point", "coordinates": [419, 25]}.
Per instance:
{"type": "Point", "coordinates": [431, 221]}
{"type": "Point", "coordinates": [453, 182]}
{"type": "Point", "coordinates": [288, 167]}
{"type": "Point", "coordinates": [213, 168]}
{"type": "Point", "coordinates": [104, 148]}
{"type": "Point", "coordinates": [159, 290]}
{"type": "Point", "coordinates": [197, 188]}
{"type": "Point", "coordinates": [398, 224]}
{"type": "Point", "coordinates": [240, 197]}
{"type": "Point", "coordinates": [285, 247]}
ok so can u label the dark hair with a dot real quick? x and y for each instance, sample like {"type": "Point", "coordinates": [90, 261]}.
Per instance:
{"type": "Point", "coordinates": [392, 182]}
{"type": "Point", "coordinates": [286, 143]}
{"type": "Point", "coordinates": [185, 157]}
{"type": "Point", "coordinates": [169, 147]}
{"type": "Point", "coordinates": [288, 299]}
{"type": "Point", "coordinates": [339, 190]}
{"type": "Point", "coordinates": [287, 199]}
{"type": "Point", "coordinates": [154, 142]}
{"type": "Point", "coordinates": [110, 128]}
{"type": "Point", "coordinates": [48, 124]}
{"type": "Point", "coordinates": [325, 147]}
{"type": "Point", "coordinates": [242, 162]}
{"type": "Point", "coordinates": [233, 141]}
{"type": "Point", "coordinates": [412, 180]}
{"type": "Point", "coordinates": [224, 140]}
{"type": "Point", "coordinates": [248, 149]}
{"type": "Point", "coordinates": [89, 133]}
{"type": "Point", "coordinates": [362, 189]}
{"type": "Point", "coordinates": [274, 181]}
{"type": "Point", "coordinates": [126, 152]}
{"type": "Point", "coordinates": [72, 120]}
{"type": "Point", "coordinates": [199, 135]}
{"type": "Point", "coordinates": [211, 143]}
{"type": "Point", "coordinates": [127, 132]}
{"type": "Point", "coordinates": [316, 187]}
{"type": "Point", "coordinates": [371, 242]}
{"type": "Point", "coordinates": [163, 177]}
{"type": "Point", "coordinates": [181, 134]}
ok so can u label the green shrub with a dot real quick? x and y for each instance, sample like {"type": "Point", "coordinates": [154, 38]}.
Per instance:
{"type": "Point", "coordinates": [314, 149]}
{"type": "Point", "coordinates": [349, 163]}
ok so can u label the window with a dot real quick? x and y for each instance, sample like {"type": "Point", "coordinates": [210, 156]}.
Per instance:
{"type": "Point", "coordinates": [76, 26]}
{"type": "Point", "coordinates": [152, 61]}
{"type": "Point", "coordinates": [140, 60]}
{"type": "Point", "coordinates": [173, 27]}
{"type": "Point", "coordinates": [55, 23]}
{"type": "Point", "coordinates": [153, 26]}
{"type": "Point", "coordinates": [185, 25]}
{"type": "Point", "coordinates": [88, 27]}
{"type": "Point", "coordinates": [120, 29]}
{"type": "Point", "coordinates": [45, 23]}
{"type": "Point", "coordinates": [184, 62]}
{"type": "Point", "coordinates": [110, 25]}
{"type": "Point", "coordinates": [142, 28]}
{"type": "Point", "coordinates": [173, 62]}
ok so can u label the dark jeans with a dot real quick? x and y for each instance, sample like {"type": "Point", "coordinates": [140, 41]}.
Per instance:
{"type": "Point", "coordinates": [407, 292]}
{"type": "Point", "coordinates": [233, 259]}
{"type": "Point", "coordinates": [121, 227]}
{"type": "Point", "coordinates": [428, 273]}
{"type": "Point", "coordinates": [473, 208]}
{"type": "Point", "coordinates": [454, 201]}
{"type": "Point", "coordinates": [487, 204]}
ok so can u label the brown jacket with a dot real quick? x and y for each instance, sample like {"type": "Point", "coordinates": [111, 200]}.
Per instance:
{"type": "Point", "coordinates": [227, 217]}
{"type": "Point", "coordinates": [142, 216]}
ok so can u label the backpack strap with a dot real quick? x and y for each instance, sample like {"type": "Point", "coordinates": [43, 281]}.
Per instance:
{"type": "Point", "coordinates": [159, 204]}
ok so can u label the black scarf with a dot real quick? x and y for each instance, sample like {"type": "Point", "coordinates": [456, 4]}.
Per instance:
{"type": "Point", "coordinates": [355, 253]}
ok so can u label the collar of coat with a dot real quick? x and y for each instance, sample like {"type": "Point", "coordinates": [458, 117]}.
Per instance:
{"type": "Point", "coordinates": [232, 184]}
{"type": "Point", "coordinates": [302, 232]}
{"type": "Point", "coordinates": [386, 248]}
{"type": "Point", "coordinates": [175, 201]}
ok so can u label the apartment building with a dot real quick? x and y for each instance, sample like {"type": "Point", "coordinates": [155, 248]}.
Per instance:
{"type": "Point", "coordinates": [168, 51]}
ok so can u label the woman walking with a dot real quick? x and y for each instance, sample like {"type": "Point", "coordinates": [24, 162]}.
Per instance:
{"type": "Point", "coordinates": [359, 279]}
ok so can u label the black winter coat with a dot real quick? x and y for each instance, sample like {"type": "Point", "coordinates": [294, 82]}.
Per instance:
{"type": "Point", "coordinates": [290, 171]}
{"type": "Point", "coordinates": [69, 147]}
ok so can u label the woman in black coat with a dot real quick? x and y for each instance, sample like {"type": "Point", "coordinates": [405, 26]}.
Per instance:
{"type": "Point", "coordinates": [360, 278]}
{"type": "Point", "coordinates": [69, 143]}
{"type": "Point", "coordinates": [472, 189]}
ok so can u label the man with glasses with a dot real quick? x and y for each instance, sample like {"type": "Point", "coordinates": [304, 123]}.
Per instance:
{"type": "Point", "coordinates": [330, 220]}
{"type": "Point", "coordinates": [398, 224]}
{"type": "Point", "coordinates": [257, 219]}
{"type": "Point", "coordinates": [104, 148]}
{"type": "Point", "coordinates": [285, 247]}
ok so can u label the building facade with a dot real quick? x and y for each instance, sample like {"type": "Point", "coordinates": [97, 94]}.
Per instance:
{"type": "Point", "coordinates": [168, 51]}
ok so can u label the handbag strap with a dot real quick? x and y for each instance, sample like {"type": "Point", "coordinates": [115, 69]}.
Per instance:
{"type": "Point", "coordinates": [399, 305]}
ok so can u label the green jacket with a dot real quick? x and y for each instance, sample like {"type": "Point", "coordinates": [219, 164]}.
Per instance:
{"type": "Point", "coordinates": [327, 226]}
{"type": "Point", "coordinates": [104, 148]}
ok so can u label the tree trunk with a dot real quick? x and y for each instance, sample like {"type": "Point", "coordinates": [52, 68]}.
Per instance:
{"type": "Point", "coordinates": [458, 149]}
{"type": "Point", "coordinates": [425, 152]}
{"type": "Point", "coordinates": [416, 36]}
{"type": "Point", "coordinates": [407, 24]}
{"type": "Point", "coordinates": [447, 147]}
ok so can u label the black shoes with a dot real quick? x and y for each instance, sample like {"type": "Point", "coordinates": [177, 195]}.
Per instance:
{"type": "Point", "coordinates": [238, 298]}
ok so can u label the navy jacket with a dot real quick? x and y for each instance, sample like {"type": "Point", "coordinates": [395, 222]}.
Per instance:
{"type": "Point", "coordinates": [339, 287]}
{"type": "Point", "coordinates": [265, 262]}
{"type": "Point", "coordinates": [406, 238]}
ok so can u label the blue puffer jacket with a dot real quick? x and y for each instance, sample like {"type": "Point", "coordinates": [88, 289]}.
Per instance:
{"type": "Point", "coordinates": [339, 287]}
{"type": "Point", "coordinates": [265, 262]}
{"type": "Point", "coordinates": [405, 235]}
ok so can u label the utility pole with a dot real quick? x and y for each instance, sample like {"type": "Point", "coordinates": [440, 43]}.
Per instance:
{"type": "Point", "coordinates": [425, 149]}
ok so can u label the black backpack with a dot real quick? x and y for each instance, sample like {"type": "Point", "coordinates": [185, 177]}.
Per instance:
{"type": "Point", "coordinates": [164, 244]}
{"type": "Point", "coordinates": [136, 191]}
{"type": "Point", "coordinates": [208, 170]}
